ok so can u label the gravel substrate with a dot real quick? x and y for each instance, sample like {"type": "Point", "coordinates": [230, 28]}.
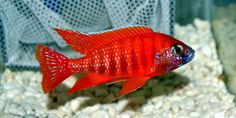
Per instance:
{"type": "Point", "coordinates": [193, 91]}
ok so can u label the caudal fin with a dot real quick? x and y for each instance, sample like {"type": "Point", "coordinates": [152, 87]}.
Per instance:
{"type": "Point", "coordinates": [54, 67]}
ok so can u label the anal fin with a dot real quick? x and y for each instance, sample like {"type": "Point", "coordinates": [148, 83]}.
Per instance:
{"type": "Point", "coordinates": [89, 81]}
{"type": "Point", "coordinates": [132, 84]}
{"type": "Point", "coordinates": [116, 80]}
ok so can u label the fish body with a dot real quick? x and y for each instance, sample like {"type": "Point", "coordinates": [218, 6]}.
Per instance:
{"type": "Point", "coordinates": [133, 55]}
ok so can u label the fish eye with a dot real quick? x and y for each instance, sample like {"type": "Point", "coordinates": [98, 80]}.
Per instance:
{"type": "Point", "coordinates": [177, 50]}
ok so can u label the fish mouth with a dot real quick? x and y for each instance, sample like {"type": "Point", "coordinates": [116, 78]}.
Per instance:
{"type": "Point", "coordinates": [189, 56]}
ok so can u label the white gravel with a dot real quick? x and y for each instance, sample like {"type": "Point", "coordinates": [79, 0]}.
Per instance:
{"type": "Point", "coordinates": [193, 91]}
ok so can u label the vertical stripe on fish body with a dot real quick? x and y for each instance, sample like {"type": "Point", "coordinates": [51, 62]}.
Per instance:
{"type": "Point", "coordinates": [130, 56]}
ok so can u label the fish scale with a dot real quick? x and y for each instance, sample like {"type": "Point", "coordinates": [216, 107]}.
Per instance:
{"type": "Point", "coordinates": [130, 52]}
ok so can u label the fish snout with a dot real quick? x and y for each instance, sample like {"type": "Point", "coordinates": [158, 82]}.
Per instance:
{"type": "Point", "coordinates": [188, 55]}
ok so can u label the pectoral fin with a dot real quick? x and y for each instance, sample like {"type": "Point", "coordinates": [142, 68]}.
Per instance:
{"type": "Point", "coordinates": [88, 81]}
{"type": "Point", "coordinates": [132, 84]}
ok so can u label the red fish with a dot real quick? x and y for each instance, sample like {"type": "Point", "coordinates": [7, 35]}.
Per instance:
{"type": "Point", "coordinates": [133, 55]}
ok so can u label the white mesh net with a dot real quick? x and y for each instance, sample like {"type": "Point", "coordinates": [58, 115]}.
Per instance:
{"type": "Point", "coordinates": [25, 23]}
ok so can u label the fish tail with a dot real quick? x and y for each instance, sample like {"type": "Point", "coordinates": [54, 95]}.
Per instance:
{"type": "Point", "coordinates": [54, 67]}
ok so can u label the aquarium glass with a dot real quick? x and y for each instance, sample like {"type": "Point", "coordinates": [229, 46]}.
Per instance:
{"type": "Point", "coordinates": [224, 30]}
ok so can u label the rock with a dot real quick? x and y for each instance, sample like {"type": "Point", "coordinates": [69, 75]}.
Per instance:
{"type": "Point", "coordinates": [82, 115]}
{"type": "Point", "coordinates": [201, 25]}
{"type": "Point", "coordinates": [56, 113]}
{"type": "Point", "coordinates": [123, 115]}
{"type": "Point", "coordinates": [92, 109]}
{"type": "Point", "coordinates": [157, 102]}
{"type": "Point", "coordinates": [195, 115]}
{"type": "Point", "coordinates": [100, 114]}
{"type": "Point", "coordinates": [111, 111]}
{"type": "Point", "coordinates": [9, 75]}
{"type": "Point", "coordinates": [148, 108]}
{"type": "Point", "coordinates": [75, 105]}
{"type": "Point", "coordinates": [52, 115]}
{"type": "Point", "coordinates": [121, 105]}
{"type": "Point", "coordinates": [2, 105]}
{"type": "Point", "coordinates": [10, 107]}
{"type": "Point", "coordinates": [175, 107]}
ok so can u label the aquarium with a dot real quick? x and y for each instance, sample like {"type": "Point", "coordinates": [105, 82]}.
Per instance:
{"type": "Point", "coordinates": [202, 86]}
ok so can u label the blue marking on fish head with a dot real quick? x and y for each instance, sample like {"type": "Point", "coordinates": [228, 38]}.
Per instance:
{"type": "Point", "coordinates": [188, 55]}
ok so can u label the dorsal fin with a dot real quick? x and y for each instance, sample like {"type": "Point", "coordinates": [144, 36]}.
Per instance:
{"type": "Point", "coordinates": [85, 43]}
{"type": "Point", "coordinates": [75, 40]}
{"type": "Point", "coordinates": [114, 35]}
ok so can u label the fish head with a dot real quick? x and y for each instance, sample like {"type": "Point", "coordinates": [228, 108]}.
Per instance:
{"type": "Point", "coordinates": [171, 53]}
